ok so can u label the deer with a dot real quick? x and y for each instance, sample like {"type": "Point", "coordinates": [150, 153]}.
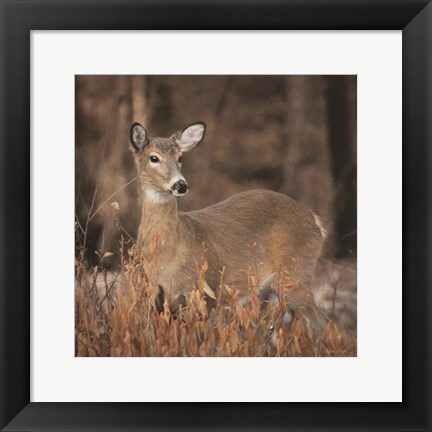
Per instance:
{"type": "Point", "coordinates": [281, 236]}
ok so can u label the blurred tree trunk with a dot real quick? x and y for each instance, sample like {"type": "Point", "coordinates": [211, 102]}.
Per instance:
{"type": "Point", "coordinates": [342, 120]}
{"type": "Point", "coordinates": [131, 96]}
{"type": "Point", "coordinates": [307, 160]}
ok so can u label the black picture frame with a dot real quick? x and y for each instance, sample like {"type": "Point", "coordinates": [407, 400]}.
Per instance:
{"type": "Point", "coordinates": [18, 18]}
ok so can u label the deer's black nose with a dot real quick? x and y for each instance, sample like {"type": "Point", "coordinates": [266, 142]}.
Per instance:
{"type": "Point", "coordinates": [180, 187]}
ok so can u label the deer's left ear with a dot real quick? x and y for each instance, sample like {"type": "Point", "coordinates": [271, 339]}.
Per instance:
{"type": "Point", "coordinates": [191, 136]}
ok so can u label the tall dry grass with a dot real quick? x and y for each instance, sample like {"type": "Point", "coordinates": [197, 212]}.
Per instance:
{"type": "Point", "coordinates": [117, 315]}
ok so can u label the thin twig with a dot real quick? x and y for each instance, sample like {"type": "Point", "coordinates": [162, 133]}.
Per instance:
{"type": "Point", "coordinates": [88, 221]}
{"type": "Point", "coordinates": [79, 224]}
{"type": "Point", "coordinates": [111, 196]}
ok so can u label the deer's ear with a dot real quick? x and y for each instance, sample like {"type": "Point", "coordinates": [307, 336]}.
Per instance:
{"type": "Point", "coordinates": [138, 137]}
{"type": "Point", "coordinates": [191, 136]}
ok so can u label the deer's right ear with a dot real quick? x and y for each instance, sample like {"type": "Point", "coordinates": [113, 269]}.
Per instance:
{"type": "Point", "coordinates": [138, 137]}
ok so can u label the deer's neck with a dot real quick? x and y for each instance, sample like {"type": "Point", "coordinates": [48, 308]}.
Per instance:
{"type": "Point", "coordinates": [159, 226]}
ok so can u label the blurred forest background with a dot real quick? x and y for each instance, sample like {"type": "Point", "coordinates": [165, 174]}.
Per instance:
{"type": "Point", "coordinates": [292, 134]}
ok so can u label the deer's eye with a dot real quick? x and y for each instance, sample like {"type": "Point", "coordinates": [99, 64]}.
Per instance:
{"type": "Point", "coordinates": [154, 159]}
{"type": "Point", "coordinates": [180, 159]}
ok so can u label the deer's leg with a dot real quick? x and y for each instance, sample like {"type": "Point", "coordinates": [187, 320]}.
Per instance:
{"type": "Point", "coordinates": [286, 300]}
{"type": "Point", "coordinates": [174, 304]}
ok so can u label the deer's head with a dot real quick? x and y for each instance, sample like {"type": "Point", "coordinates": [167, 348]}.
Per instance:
{"type": "Point", "coordinates": [159, 160]}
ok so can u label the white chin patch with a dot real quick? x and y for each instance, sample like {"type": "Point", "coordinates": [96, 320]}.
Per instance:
{"type": "Point", "coordinates": [155, 196]}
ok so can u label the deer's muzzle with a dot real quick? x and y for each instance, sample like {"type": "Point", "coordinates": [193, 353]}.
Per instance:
{"type": "Point", "coordinates": [180, 188]}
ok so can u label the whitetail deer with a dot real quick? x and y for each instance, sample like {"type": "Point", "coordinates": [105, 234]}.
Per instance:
{"type": "Point", "coordinates": [260, 229]}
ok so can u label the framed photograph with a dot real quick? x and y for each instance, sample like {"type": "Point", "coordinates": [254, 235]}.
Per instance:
{"type": "Point", "coordinates": [229, 205]}
{"type": "Point", "coordinates": [169, 260]}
